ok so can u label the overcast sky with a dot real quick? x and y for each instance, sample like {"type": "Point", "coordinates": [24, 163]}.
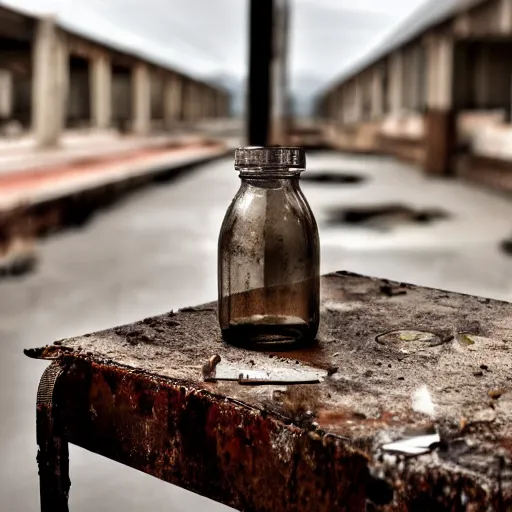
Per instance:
{"type": "Point", "coordinates": [208, 37]}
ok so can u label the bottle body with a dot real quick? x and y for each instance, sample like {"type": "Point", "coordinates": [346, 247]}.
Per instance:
{"type": "Point", "coordinates": [269, 260]}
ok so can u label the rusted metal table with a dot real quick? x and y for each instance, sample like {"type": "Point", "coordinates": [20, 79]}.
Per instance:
{"type": "Point", "coordinates": [400, 363]}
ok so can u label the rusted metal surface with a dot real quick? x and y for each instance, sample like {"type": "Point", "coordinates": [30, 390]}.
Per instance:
{"type": "Point", "coordinates": [204, 442]}
{"type": "Point", "coordinates": [397, 366]}
{"type": "Point", "coordinates": [53, 455]}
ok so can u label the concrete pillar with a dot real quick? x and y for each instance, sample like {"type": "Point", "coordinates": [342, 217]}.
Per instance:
{"type": "Point", "coordinates": [187, 101]}
{"type": "Point", "coordinates": [411, 79]}
{"type": "Point", "coordinates": [141, 90]}
{"type": "Point", "coordinates": [218, 105]}
{"type": "Point", "coordinates": [338, 106]}
{"type": "Point", "coordinates": [101, 91]}
{"type": "Point", "coordinates": [505, 18]}
{"type": "Point", "coordinates": [207, 104]}
{"type": "Point", "coordinates": [191, 102]}
{"type": "Point", "coordinates": [396, 73]}
{"type": "Point", "coordinates": [345, 104]}
{"type": "Point", "coordinates": [358, 99]}
{"type": "Point", "coordinates": [211, 104]}
{"type": "Point", "coordinates": [202, 102]}
{"type": "Point", "coordinates": [197, 104]}
{"type": "Point", "coordinates": [416, 79]}
{"type": "Point", "coordinates": [483, 86]}
{"type": "Point", "coordinates": [377, 94]}
{"type": "Point", "coordinates": [407, 80]}
{"type": "Point", "coordinates": [226, 101]}
{"type": "Point", "coordinates": [445, 74]}
{"type": "Point", "coordinates": [50, 61]}
{"type": "Point", "coordinates": [216, 112]}
{"type": "Point", "coordinates": [440, 118]}
{"type": "Point", "coordinates": [440, 72]}
{"type": "Point", "coordinates": [172, 100]}
{"type": "Point", "coordinates": [6, 94]}
{"type": "Point", "coordinates": [331, 110]}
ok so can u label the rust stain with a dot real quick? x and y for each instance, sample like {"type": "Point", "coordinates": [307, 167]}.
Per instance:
{"type": "Point", "coordinates": [226, 451]}
{"type": "Point", "coordinates": [312, 447]}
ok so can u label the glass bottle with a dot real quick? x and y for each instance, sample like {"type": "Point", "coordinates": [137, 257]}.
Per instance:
{"type": "Point", "coordinates": [269, 253]}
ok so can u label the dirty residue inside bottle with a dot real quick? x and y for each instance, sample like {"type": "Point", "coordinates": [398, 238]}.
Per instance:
{"type": "Point", "coordinates": [287, 320]}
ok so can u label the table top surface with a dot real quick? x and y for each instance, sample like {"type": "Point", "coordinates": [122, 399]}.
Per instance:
{"type": "Point", "coordinates": [393, 360]}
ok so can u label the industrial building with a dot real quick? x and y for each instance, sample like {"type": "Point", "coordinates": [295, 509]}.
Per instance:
{"type": "Point", "coordinates": [53, 79]}
{"type": "Point", "coordinates": [437, 91]}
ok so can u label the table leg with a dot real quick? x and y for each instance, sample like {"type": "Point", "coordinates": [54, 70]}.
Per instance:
{"type": "Point", "coordinates": [53, 455]}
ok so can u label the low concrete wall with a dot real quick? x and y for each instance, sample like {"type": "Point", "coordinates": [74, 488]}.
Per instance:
{"type": "Point", "coordinates": [490, 172]}
{"type": "Point", "coordinates": [489, 162]}
{"type": "Point", "coordinates": [401, 136]}
{"type": "Point", "coordinates": [410, 150]}
{"type": "Point", "coordinates": [471, 123]}
{"type": "Point", "coordinates": [493, 141]}
{"type": "Point", "coordinates": [410, 126]}
{"type": "Point", "coordinates": [361, 138]}
{"type": "Point", "coordinates": [484, 135]}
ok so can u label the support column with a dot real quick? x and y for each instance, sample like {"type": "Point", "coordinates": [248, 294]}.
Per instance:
{"type": "Point", "coordinates": [278, 74]}
{"type": "Point", "coordinates": [482, 79]}
{"type": "Point", "coordinates": [211, 104]}
{"type": "Point", "coordinates": [172, 100]}
{"type": "Point", "coordinates": [216, 112]}
{"type": "Point", "coordinates": [141, 99]}
{"type": "Point", "coordinates": [188, 99]}
{"type": "Point", "coordinates": [226, 105]}
{"type": "Point", "coordinates": [505, 18]}
{"type": "Point", "coordinates": [396, 73]}
{"type": "Point", "coordinates": [377, 96]}
{"type": "Point", "coordinates": [358, 99]}
{"type": "Point", "coordinates": [440, 118]}
{"type": "Point", "coordinates": [345, 104]}
{"type": "Point", "coordinates": [219, 105]}
{"type": "Point", "coordinates": [267, 88]}
{"type": "Point", "coordinates": [201, 103]}
{"type": "Point", "coordinates": [6, 94]}
{"type": "Point", "coordinates": [50, 83]}
{"type": "Point", "coordinates": [205, 103]}
{"type": "Point", "coordinates": [415, 78]}
{"type": "Point", "coordinates": [194, 102]}
{"type": "Point", "coordinates": [53, 453]}
{"type": "Point", "coordinates": [101, 91]}
{"type": "Point", "coordinates": [339, 110]}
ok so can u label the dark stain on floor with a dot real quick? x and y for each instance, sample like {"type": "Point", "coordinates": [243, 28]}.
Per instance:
{"type": "Point", "coordinates": [384, 216]}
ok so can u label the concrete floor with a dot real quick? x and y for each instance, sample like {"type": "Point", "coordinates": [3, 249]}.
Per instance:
{"type": "Point", "coordinates": [157, 251]}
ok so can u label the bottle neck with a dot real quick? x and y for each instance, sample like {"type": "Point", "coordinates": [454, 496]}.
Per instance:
{"type": "Point", "coordinates": [250, 174]}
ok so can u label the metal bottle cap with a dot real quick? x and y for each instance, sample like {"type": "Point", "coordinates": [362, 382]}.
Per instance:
{"type": "Point", "coordinates": [270, 157]}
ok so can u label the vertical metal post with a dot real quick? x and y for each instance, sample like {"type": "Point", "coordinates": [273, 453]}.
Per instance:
{"type": "Point", "coordinates": [53, 455]}
{"type": "Point", "coordinates": [260, 58]}
{"type": "Point", "coordinates": [280, 108]}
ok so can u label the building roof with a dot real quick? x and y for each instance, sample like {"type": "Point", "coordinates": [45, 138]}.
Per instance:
{"type": "Point", "coordinates": [428, 15]}
{"type": "Point", "coordinates": [113, 37]}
